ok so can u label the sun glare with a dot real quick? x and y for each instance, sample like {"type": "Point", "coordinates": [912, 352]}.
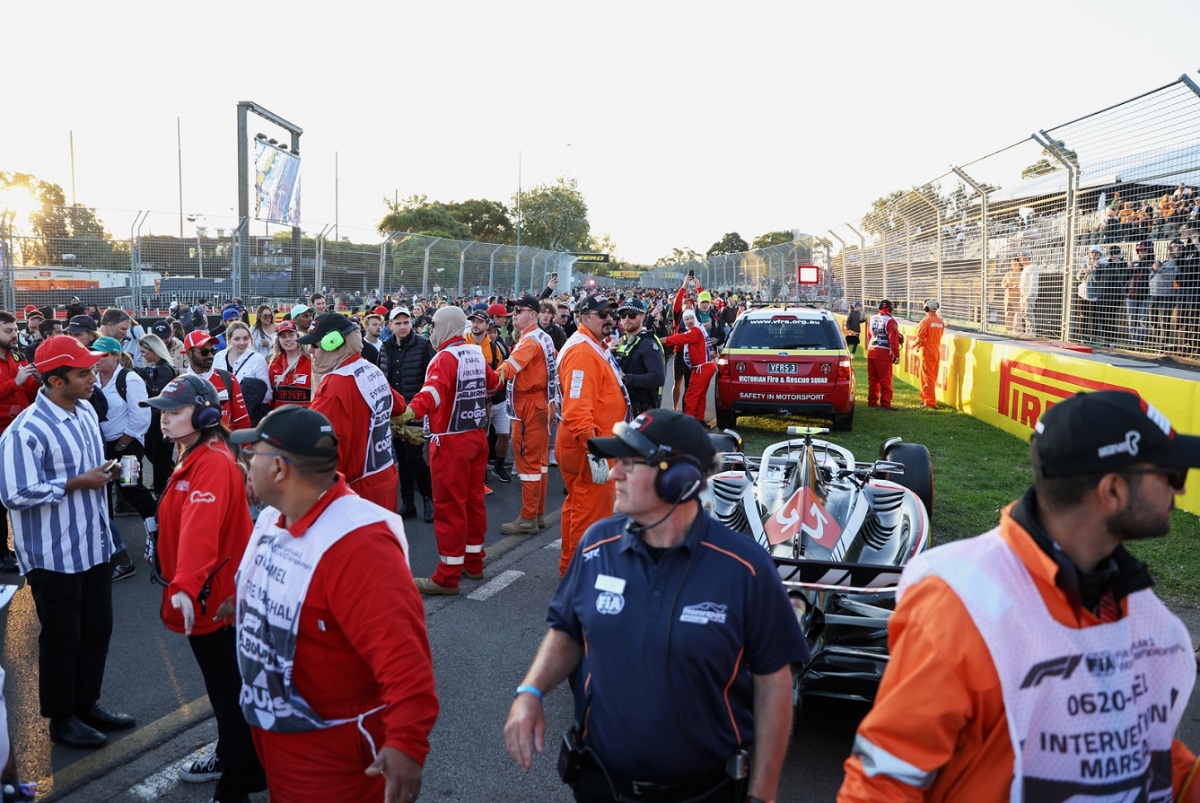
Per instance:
{"type": "Point", "coordinates": [20, 203]}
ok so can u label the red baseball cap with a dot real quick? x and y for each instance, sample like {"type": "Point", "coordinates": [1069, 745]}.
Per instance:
{"type": "Point", "coordinates": [498, 310]}
{"type": "Point", "coordinates": [32, 308]}
{"type": "Point", "coordinates": [285, 326]}
{"type": "Point", "coordinates": [197, 339]}
{"type": "Point", "coordinates": [64, 351]}
{"type": "Point", "coordinates": [380, 310]}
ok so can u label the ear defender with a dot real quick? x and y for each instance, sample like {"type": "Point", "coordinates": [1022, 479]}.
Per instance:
{"type": "Point", "coordinates": [332, 341]}
{"type": "Point", "coordinates": [680, 477]}
{"type": "Point", "coordinates": [206, 415]}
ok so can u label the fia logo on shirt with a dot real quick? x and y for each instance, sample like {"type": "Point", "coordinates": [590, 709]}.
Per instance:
{"type": "Point", "coordinates": [609, 603]}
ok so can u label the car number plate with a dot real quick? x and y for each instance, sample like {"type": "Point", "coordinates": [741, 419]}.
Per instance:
{"type": "Point", "coordinates": [783, 368]}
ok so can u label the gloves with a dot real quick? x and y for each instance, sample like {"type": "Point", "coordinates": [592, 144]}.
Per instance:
{"type": "Point", "coordinates": [599, 469]}
{"type": "Point", "coordinates": [408, 415]}
{"type": "Point", "coordinates": [413, 435]}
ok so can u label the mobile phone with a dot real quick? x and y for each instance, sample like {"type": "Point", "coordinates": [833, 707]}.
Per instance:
{"type": "Point", "coordinates": [554, 276]}
{"type": "Point", "coordinates": [692, 273]}
{"type": "Point", "coordinates": [109, 465]}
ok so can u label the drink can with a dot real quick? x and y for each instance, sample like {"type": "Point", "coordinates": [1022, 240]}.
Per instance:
{"type": "Point", "coordinates": [130, 468]}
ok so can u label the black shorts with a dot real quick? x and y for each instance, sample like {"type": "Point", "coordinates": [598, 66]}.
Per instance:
{"type": "Point", "coordinates": [681, 369]}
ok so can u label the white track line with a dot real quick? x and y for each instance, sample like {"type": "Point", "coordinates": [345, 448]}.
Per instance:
{"type": "Point", "coordinates": [498, 583]}
{"type": "Point", "coordinates": [555, 544]}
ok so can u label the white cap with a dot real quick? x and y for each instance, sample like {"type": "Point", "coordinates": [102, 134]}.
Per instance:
{"type": "Point", "coordinates": [398, 311]}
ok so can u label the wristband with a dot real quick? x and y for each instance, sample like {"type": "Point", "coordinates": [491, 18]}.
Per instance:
{"type": "Point", "coordinates": [531, 690]}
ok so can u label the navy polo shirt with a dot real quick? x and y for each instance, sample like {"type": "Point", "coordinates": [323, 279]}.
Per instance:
{"type": "Point", "coordinates": [665, 690]}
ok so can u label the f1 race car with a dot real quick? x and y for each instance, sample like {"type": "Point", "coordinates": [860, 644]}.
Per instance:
{"type": "Point", "coordinates": [840, 532]}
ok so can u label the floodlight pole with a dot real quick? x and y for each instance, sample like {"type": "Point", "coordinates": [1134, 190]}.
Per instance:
{"type": "Point", "coordinates": [243, 151]}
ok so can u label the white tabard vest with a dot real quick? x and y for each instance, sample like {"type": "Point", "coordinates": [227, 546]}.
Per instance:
{"type": "Point", "coordinates": [272, 582]}
{"type": "Point", "coordinates": [879, 332]}
{"type": "Point", "coordinates": [377, 393]}
{"type": "Point", "coordinates": [553, 392]}
{"type": "Point", "coordinates": [1091, 711]}
{"type": "Point", "coordinates": [470, 392]}
{"type": "Point", "coordinates": [573, 342]}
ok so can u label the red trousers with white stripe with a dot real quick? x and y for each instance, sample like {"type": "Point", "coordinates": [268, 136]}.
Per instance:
{"type": "Point", "coordinates": [531, 456]}
{"type": "Point", "coordinates": [696, 398]}
{"type": "Point", "coordinates": [458, 464]}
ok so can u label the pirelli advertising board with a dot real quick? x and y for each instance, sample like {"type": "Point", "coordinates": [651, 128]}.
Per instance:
{"type": "Point", "coordinates": [1009, 384]}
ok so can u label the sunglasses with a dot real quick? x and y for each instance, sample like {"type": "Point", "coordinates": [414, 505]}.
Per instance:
{"type": "Point", "coordinates": [205, 352]}
{"type": "Point", "coordinates": [1176, 477]}
{"type": "Point", "coordinates": [625, 315]}
{"type": "Point", "coordinates": [604, 314]}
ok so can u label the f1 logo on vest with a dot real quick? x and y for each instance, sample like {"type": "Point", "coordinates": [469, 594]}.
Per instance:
{"type": "Point", "coordinates": [1063, 667]}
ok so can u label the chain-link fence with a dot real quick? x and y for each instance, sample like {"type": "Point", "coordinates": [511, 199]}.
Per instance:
{"type": "Point", "coordinates": [150, 269]}
{"type": "Point", "coordinates": [771, 271]}
{"type": "Point", "coordinates": [1086, 232]}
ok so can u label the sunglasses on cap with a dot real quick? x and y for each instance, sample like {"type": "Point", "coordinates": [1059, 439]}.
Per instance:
{"type": "Point", "coordinates": [1176, 477]}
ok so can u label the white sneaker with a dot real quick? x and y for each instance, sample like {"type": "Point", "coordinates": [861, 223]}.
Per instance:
{"type": "Point", "coordinates": [201, 771]}
{"type": "Point", "coordinates": [553, 459]}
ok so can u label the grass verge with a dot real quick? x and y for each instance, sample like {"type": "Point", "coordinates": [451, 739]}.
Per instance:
{"type": "Point", "coordinates": [978, 469]}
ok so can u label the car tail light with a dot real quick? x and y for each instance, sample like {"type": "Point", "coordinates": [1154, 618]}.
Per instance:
{"type": "Point", "coordinates": [844, 369]}
{"type": "Point", "coordinates": [723, 366]}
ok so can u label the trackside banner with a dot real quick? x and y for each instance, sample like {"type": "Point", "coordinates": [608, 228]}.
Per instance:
{"type": "Point", "coordinates": [1009, 384]}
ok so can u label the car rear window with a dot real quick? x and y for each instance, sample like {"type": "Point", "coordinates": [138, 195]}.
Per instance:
{"type": "Point", "coordinates": [785, 332]}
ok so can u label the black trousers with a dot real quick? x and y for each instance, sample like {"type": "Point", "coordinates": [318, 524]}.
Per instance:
{"type": "Point", "coordinates": [594, 786]}
{"type": "Point", "coordinates": [414, 471]}
{"type": "Point", "coordinates": [160, 452]}
{"type": "Point", "coordinates": [4, 548]}
{"type": "Point", "coordinates": [241, 773]}
{"type": "Point", "coordinates": [137, 494]}
{"type": "Point", "coordinates": [76, 615]}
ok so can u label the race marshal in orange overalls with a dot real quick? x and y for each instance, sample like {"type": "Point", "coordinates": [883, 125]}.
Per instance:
{"type": "Point", "coordinates": [929, 344]}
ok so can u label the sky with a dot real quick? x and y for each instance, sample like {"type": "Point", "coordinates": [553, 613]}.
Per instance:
{"type": "Point", "coordinates": [680, 121]}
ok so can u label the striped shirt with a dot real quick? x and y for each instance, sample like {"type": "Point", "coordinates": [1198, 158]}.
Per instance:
{"type": "Point", "coordinates": [44, 447]}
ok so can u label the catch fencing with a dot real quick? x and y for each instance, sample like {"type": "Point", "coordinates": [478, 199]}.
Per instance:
{"type": "Point", "coordinates": [1005, 242]}
{"type": "Point", "coordinates": [149, 270]}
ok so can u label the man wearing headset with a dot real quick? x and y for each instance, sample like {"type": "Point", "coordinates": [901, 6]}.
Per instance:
{"type": "Point", "coordinates": [882, 353]}
{"type": "Point", "coordinates": [684, 691]}
{"type": "Point", "coordinates": [356, 397]}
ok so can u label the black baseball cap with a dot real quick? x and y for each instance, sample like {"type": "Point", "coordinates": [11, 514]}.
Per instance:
{"type": "Point", "coordinates": [81, 323]}
{"type": "Point", "coordinates": [163, 330]}
{"type": "Point", "coordinates": [657, 433]}
{"type": "Point", "coordinates": [1091, 433]}
{"type": "Point", "coordinates": [632, 305]}
{"type": "Point", "coordinates": [595, 303]}
{"type": "Point", "coordinates": [527, 301]}
{"type": "Point", "coordinates": [294, 429]}
{"type": "Point", "coordinates": [326, 323]}
{"type": "Point", "coordinates": [184, 391]}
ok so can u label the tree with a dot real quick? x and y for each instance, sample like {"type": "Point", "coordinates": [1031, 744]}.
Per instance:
{"type": "Point", "coordinates": [679, 256]}
{"type": "Point", "coordinates": [488, 221]}
{"type": "Point", "coordinates": [772, 238]}
{"type": "Point", "coordinates": [57, 229]}
{"type": "Point", "coordinates": [417, 215]}
{"type": "Point", "coordinates": [731, 243]}
{"type": "Point", "coordinates": [554, 217]}
{"type": "Point", "coordinates": [1049, 163]}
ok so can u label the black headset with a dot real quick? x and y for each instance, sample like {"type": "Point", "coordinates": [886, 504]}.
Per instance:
{"type": "Point", "coordinates": [680, 476]}
{"type": "Point", "coordinates": [206, 413]}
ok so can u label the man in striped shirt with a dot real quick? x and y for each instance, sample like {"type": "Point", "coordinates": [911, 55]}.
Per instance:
{"type": "Point", "coordinates": [52, 479]}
